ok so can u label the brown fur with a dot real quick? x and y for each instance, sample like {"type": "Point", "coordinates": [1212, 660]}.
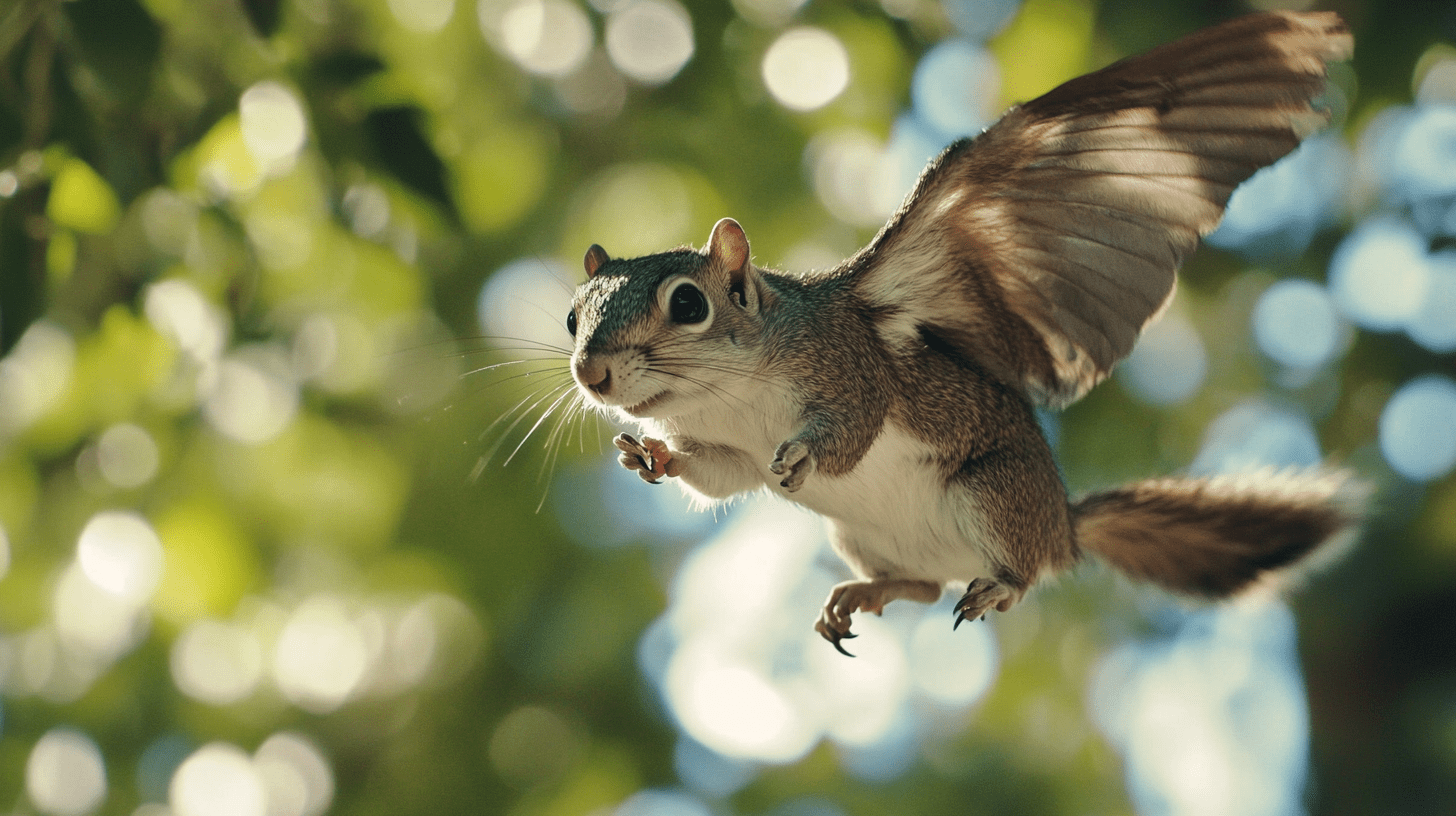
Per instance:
{"type": "Point", "coordinates": [1218, 536]}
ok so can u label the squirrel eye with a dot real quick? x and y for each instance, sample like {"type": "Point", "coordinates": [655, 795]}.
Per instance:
{"type": "Point", "coordinates": [688, 304]}
{"type": "Point", "coordinates": [571, 322]}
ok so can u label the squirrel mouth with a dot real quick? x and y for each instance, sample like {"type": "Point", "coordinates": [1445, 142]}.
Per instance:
{"type": "Point", "coordinates": [642, 408]}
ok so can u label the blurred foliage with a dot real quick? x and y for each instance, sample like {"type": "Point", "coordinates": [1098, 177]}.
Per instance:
{"type": "Point", "coordinates": [256, 231]}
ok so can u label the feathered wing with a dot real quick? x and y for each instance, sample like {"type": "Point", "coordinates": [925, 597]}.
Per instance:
{"type": "Point", "coordinates": [1041, 248]}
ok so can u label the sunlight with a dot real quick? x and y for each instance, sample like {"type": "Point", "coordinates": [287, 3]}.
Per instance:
{"type": "Point", "coordinates": [321, 657]}
{"type": "Point", "coordinates": [735, 710]}
{"type": "Point", "coordinates": [549, 37]}
{"type": "Point", "coordinates": [65, 774]}
{"type": "Point", "coordinates": [858, 180]}
{"type": "Point", "coordinates": [1212, 719]}
{"type": "Point", "coordinates": [522, 308]}
{"type": "Point", "coordinates": [1434, 326]}
{"type": "Point", "coordinates": [127, 456]}
{"type": "Point", "coordinates": [255, 396]}
{"type": "Point", "coordinates": [422, 16]}
{"type": "Point", "coordinates": [806, 68]}
{"type": "Point", "coordinates": [120, 553]}
{"type": "Point", "coordinates": [89, 620]}
{"type": "Point", "coordinates": [952, 667]}
{"type": "Point", "coordinates": [218, 779]}
{"type": "Point", "coordinates": [1417, 431]}
{"type": "Point", "coordinates": [955, 89]}
{"type": "Point", "coordinates": [216, 662]}
{"type": "Point", "coordinates": [1169, 363]}
{"type": "Point", "coordinates": [650, 40]}
{"type": "Point", "coordinates": [295, 775]}
{"type": "Point", "coordinates": [1378, 274]}
{"type": "Point", "coordinates": [179, 312]}
{"type": "Point", "coordinates": [273, 125]}
{"type": "Point", "coordinates": [1296, 325]}
{"type": "Point", "coordinates": [34, 375]}
{"type": "Point", "coordinates": [1255, 434]}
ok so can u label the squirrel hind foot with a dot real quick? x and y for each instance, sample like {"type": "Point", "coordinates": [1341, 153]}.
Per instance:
{"type": "Point", "coordinates": [983, 595]}
{"type": "Point", "coordinates": [867, 596]}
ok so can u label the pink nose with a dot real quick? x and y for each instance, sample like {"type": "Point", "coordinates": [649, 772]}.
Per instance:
{"type": "Point", "coordinates": [594, 375]}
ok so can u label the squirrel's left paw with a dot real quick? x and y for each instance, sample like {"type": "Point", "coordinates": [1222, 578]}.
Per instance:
{"type": "Point", "coordinates": [793, 462]}
{"type": "Point", "coordinates": [651, 458]}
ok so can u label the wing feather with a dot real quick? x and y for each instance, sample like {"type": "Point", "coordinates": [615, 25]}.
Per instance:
{"type": "Point", "coordinates": [1040, 250]}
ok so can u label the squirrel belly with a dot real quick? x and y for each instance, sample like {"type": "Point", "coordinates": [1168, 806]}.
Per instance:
{"type": "Point", "coordinates": [899, 514]}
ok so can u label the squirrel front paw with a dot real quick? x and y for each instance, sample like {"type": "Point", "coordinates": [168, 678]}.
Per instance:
{"type": "Point", "coordinates": [651, 458]}
{"type": "Point", "coordinates": [794, 462]}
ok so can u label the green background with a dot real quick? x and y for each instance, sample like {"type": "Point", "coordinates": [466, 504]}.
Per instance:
{"type": "Point", "coordinates": [119, 122]}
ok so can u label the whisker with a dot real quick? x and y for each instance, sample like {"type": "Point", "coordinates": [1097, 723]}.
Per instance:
{"type": "Point", "coordinates": [547, 413]}
{"type": "Point", "coordinates": [554, 364]}
{"type": "Point", "coordinates": [550, 270]}
{"type": "Point", "coordinates": [571, 414]}
{"type": "Point", "coordinates": [550, 390]}
{"type": "Point", "coordinates": [519, 344]}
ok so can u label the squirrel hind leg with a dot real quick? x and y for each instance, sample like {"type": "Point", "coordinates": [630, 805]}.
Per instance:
{"type": "Point", "coordinates": [869, 595]}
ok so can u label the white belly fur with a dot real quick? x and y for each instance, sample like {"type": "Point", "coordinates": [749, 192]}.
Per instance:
{"type": "Point", "coordinates": [893, 516]}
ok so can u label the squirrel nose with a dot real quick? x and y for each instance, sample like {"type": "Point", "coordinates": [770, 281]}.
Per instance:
{"type": "Point", "coordinates": [594, 375]}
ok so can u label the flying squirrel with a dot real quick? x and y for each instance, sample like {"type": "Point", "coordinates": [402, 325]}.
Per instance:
{"type": "Point", "coordinates": [894, 394]}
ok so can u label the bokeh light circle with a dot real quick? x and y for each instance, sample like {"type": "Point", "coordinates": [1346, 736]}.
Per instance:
{"type": "Point", "coordinates": [953, 668]}
{"type": "Point", "coordinates": [119, 552]}
{"type": "Point", "coordinates": [1418, 428]}
{"type": "Point", "coordinates": [295, 775]}
{"type": "Point", "coordinates": [65, 774]}
{"type": "Point", "coordinates": [523, 306]}
{"type": "Point", "coordinates": [1168, 364]}
{"type": "Point", "coordinates": [806, 68]}
{"type": "Point", "coordinates": [321, 656]}
{"type": "Point", "coordinates": [1255, 434]}
{"type": "Point", "coordinates": [549, 37]}
{"type": "Point", "coordinates": [650, 40]}
{"type": "Point", "coordinates": [127, 456]}
{"type": "Point", "coordinates": [215, 662]}
{"type": "Point", "coordinates": [1296, 325]}
{"type": "Point", "coordinates": [1434, 325]}
{"type": "Point", "coordinates": [1423, 160]}
{"type": "Point", "coordinates": [954, 88]}
{"type": "Point", "coordinates": [218, 779]}
{"type": "Point", "coordinates": [423, 16]}
{"type": "Point", "coordinates": [1378, 275]}
{"type": "Point", "coordinates": [273, 124]}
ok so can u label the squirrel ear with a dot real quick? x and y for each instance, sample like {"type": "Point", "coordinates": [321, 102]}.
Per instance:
{"type": "Point", "coordinates": [595, 257]}
{"type": "Point", "coordinates": [728, 245]}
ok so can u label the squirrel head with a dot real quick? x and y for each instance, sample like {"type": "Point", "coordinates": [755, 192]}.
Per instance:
{"type": "Point", "coordinates": [654, 334]}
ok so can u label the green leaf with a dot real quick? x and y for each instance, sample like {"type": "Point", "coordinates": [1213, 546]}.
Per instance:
{"type": "Point", "coordinates": [82, 200]}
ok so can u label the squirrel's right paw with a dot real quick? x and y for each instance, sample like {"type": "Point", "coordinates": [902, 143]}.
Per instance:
{"type": "Point", "coordinates": [793, 462]}
{"type": "Point", "coordinates": [651, 458]}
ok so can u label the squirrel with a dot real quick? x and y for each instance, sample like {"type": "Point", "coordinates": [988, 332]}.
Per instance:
{"type": "Point", "coordinates": [894, 394]}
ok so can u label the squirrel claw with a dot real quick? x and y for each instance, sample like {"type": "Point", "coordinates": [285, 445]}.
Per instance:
{"type": "Point", "coordinates": [794, 462]}
{"type": "Point", "coordinates": [982, 595]}
{"type": "Point", "coordinates": [834, 637]}
{"type": "Point", "coordinates": [649, 458]}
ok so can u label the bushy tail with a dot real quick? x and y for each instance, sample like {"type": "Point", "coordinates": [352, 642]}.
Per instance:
{"type": "Point", "coordinates": [1218, 536]}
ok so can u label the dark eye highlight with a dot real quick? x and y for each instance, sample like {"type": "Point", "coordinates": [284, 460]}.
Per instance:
{"type": "Point", "coordinates": [687, 304]}
{"type": "Point", "coordinates": [571, 322]}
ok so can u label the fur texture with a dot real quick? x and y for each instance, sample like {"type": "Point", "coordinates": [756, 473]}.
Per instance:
{"type": "Point", "coordinates": [894, 394]}
{"type": "Point", "coordinates": [1219, 536]}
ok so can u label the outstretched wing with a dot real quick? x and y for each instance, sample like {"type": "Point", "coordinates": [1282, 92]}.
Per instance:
{"type": "Point", "coordinates": [1041, 248]}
